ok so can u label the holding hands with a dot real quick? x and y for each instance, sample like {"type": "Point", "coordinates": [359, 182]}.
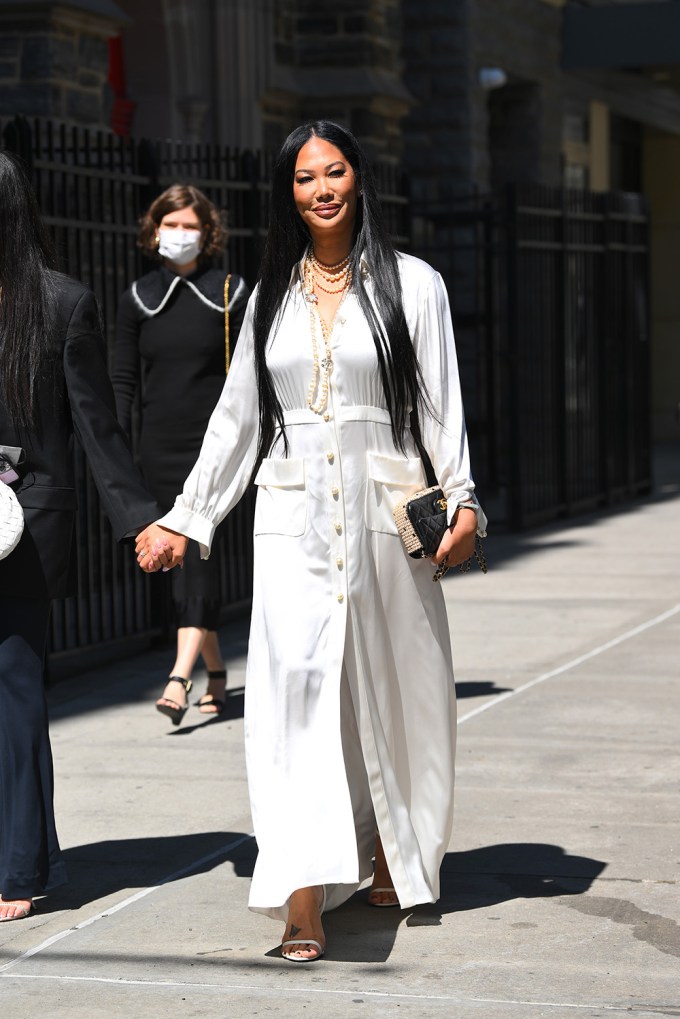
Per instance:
{"type": "Point", "coordinates": [158, 548]}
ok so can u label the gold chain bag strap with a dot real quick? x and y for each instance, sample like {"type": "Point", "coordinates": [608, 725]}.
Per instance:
{"type": "Point", "coordinates": [421, 521]}
{"type": "Point", "coordinates": [227, 353]}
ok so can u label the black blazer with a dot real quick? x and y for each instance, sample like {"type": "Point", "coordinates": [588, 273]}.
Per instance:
{"type": "Point", "coordinates": [74, 399]}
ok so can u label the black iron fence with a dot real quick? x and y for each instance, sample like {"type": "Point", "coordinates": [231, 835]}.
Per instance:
{"type": "Point", "coordinates": [578, 351]}
{"type": "Point", "coordinates": [549, 290]}
{"type": "Point", "coordinates": [92, 188]}
{"type": "Point", "coordinates": [549, 293]}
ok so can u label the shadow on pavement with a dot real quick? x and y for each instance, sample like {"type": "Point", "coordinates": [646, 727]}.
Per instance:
{"type": "Point", "coordinates": [99, 869]}
{"type": "Point", "coordinates": [490, 875]}
{"type": "Point", "coordinates": [475, 879]}
{"type": "Point", "coordinates": [234, 706]}
{"type": "Point", "coordinates": [479, 689]}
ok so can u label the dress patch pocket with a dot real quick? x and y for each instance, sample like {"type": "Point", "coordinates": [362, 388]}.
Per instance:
{"type": "Point", "coordinates": [281, 506]}
{"type": "Point", "coordinates": [389, 479]}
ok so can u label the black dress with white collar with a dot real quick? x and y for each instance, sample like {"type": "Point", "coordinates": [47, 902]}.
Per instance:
{"type": "Point", "coordinates": [170, 340]}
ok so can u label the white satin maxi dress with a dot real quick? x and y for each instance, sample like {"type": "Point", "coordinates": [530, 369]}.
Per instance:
{"type": "Point", "coordinates": [350, 715]}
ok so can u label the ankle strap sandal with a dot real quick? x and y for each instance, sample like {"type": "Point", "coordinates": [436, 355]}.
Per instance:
{"type": "Point", "coordinates": [175, 712]}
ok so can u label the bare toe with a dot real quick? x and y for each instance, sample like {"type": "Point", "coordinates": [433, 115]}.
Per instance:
{"type": "Point", "coordinates": [383, 897]}
{"type": "Point", "coordinates": [15, 909]}
{"type": "Point", "coordinates": [304, 939]}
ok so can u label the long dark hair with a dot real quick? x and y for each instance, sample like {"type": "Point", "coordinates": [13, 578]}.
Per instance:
{"type": "Point", "coordinates": [26, 293]}
{"type": "Point", "coordinates": [286, 241]}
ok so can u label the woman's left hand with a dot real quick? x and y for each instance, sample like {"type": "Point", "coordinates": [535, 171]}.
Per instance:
{"type": "Point", "coordinates": [458, 542]}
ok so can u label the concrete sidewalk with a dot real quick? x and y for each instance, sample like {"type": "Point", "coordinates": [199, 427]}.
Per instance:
{"type": "Point", "coordinates": [559, 893]}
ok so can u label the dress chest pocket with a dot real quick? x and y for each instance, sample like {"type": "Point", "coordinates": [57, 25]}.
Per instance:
{"type": "Point", "coordinates": [281, 506]}
{"type": "Point", "coordinates": [389, 479]}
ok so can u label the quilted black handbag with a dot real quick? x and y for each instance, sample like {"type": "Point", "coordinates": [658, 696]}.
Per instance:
{"type": "Point", "coordinates": [421, 520]}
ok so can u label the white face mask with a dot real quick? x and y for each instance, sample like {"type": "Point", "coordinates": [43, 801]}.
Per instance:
{"type": "Point", "coordinates": [179, 246]}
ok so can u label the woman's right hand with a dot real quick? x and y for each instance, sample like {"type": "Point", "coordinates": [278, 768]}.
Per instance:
{"type": "Point", "coordinates": [458, 543]}
{"type": "Point", "coordinates": [159, 548]}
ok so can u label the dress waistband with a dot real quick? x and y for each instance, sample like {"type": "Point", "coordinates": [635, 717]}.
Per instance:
{"type": "Point", "coordinates": [304, 416]}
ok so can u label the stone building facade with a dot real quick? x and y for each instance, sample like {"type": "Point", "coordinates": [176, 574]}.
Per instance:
{"type": "Point", "coordinates": [243, 72]}
{"type": "Point", "coordinates": [585, 95]}
{"type": "Point", "coordinates": [341, 62]}
{"type": "Point", "coordinates": [538, 120]}
{"type": "Point", "coordinates": [54, 59]}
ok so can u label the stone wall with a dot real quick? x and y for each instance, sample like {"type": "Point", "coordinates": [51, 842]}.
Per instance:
{"type": "Point", "coordinates": [340, 63]}
{"type": "Point", "coordinates": [54, 62]}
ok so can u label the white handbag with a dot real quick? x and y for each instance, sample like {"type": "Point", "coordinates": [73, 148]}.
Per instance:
{"type": "Point", "coordinates": [11, 520]}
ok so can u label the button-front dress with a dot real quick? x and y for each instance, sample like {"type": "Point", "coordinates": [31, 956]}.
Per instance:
{"type": "Point", "coordinates": [350, 717]}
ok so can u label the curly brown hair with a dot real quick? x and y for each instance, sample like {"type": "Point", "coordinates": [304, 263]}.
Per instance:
{"type": "Point", "coordinates": [174, 198]}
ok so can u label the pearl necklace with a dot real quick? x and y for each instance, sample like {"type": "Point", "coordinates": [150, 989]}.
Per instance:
{"type": "Point", "coordinates": [322, 267]}
{"type": "Point", "coordinates": [328, 273]}
{"type": "Point", "coordinates": [321, 370]}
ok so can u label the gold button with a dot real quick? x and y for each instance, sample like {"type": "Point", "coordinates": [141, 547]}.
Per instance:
{"type": "Point", "coordinates": [326, 417]}
{"type": "Point", "coordinates": [339, 563]}
{"type": "Point", "coordinates": [335, 492]}
{"type": "Point", "coordinates": [341, 598]}
{"type": "Point", "coordinates": [330, 456]}
{"type": "Point", "coordinates": [338, 527]}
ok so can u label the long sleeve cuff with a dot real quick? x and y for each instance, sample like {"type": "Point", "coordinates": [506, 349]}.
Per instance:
{"type": "Point", "coordinates": [469, 501]}
{"type": "Point", "coordinates": [191, 524]}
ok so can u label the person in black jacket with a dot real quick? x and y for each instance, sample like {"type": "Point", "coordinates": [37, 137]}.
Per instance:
{"type": "Point", "coordinates": [171, 323]}
{"type": "Point", "coordinates": [54, 386]}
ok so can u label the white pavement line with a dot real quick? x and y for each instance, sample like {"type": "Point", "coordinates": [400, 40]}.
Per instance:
{"type": "Point", "coordinates": [189, 869]}
{"type": "Point", "coordinates": [573, 663]}
{"type": "Point", "coordinates": [296, 991]}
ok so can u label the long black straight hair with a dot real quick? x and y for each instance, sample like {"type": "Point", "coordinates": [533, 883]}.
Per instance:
{"type": "Point", "coordinates": [26, 293]}
{"type": "Point", "coordinates": [286, 242]}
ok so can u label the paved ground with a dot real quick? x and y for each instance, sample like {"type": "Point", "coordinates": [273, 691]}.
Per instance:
{"type": "Point", "coordinates": [560, 889]}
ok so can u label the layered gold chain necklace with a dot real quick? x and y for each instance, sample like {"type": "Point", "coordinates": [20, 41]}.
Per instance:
{"type": "Point", "coordinates": [332, 279]}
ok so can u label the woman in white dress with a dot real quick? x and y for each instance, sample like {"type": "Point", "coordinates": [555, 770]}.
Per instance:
{"type": "Point", "coordinates": [350, 720]}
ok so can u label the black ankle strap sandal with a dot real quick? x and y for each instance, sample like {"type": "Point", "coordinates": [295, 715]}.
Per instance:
{"type": "Point", "coordinates": [175, 712]}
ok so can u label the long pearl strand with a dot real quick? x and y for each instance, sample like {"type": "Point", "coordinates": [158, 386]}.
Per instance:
{"type": "Point", "coordinates": [313, 272]}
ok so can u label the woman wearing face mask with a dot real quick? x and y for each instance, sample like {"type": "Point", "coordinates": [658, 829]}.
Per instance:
{"type": "Point", "coordinates": [171, 325]}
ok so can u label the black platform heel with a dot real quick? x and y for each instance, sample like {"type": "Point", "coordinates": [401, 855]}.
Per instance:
{"type": "Point", "coordinates": [175, 712]}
